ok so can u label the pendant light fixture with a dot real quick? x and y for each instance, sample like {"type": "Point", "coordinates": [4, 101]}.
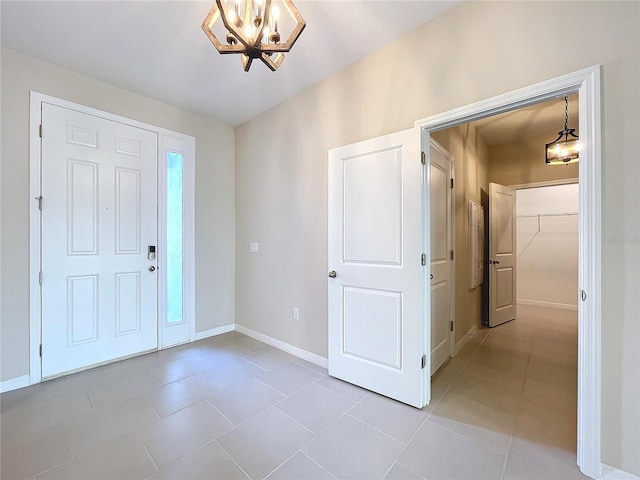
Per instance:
{"type": "Point", "coordinates": [564, 151]}
{"type": "Point", "coordinates": [253, 29]}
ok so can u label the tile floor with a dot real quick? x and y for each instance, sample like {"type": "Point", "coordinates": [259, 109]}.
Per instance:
{"type": "Point", "coordinates": [231, 407]}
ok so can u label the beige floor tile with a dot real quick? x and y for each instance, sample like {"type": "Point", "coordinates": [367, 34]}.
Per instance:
{"type": "Point", "coordinates": [183, 393]}
{"type": "Point", "coordinates": [98, 428]}
{"type": "Point", "coordinates": [533, 461]}
{"type": "Point", "coordinates": [393, 418]}
{"type": "Point", "coordinates": [399, 472]}
{"type": "Point", "coordinates": [509, 377]}
{"type": "Point", "coordinates": [123, 459]}
{"type": "Point", "coordinates": [263, 443]}
{"type": "Point", "coordinates": [448, 372]}
{"type": "Point", "coordinates": [311, 366]}
{"type": "Point", "coordinates": [28, 456]}
{"type": "Point", "coordinates": [503, 355]}
{"type": "Point", "coordinates": [300, 467]}
{"type": "Point", "coordinates": [244, 400]}
{"type": "Point", "coordinates": [352, 449]}
{"type": "Point", "coordinates": [183, 432]}
{"type": "Point", "coordinates": [178, 369]}
{"type": "Point", "coordinates": [437, 453]}
{"type": "Point", "coordinates": [251, 344]}
{"type": "Point", "coordinates": [315, 407]}
{"type": "Point", "coordinates": [132, 365]}
{"type": "Point", "coordinates": [213, 353]}
{"type": "Point", "coordinates": [487, 426]}
{"type": "Point", "coordinates": [553, 374]}
{"type": "Point", "coordinates": [173, 353]}
{"type": "Point", "coordinates": [485, 391]}
{"type": "Point", "coordinates": [210, 461]}
{"type": "Point", "coordinates": [269, 358]}
{"type": "Point", "coordinates": [289, 378]}
{"type": "Point", "coordinates": [556, 345]}
{"type": "Point", "coordinates": [352, 392]}
{"type": "Point", "coordinates": [560, 359]}
{"type": "Point", "coordinates": [15, 399]}
{"type": "Point", "coordinates": [26, 419]}
{"type": "Point", "coordinates": [550, 396]}
{"type": "Point", "coordinates": [230, 371]}
{"type": "Point", "coordinates": [119, 389]}
{"type": "Point", "coordinates": [546, 426]}
{"type": "Point", "coordinates": [71, 383]}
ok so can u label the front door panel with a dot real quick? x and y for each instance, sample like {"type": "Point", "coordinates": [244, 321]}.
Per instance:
{"type": "Point", "coordinates": [99, 188]}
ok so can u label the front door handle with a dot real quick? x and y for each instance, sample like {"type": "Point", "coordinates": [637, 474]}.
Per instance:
{"type": "Point", "coordinates": [333, 274]}
{"type": "Point", "coordinates": [494, 262]}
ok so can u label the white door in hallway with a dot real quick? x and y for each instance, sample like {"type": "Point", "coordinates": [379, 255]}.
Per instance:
{"type": "Point", "coordinates": [377, 282]}
{"type": "Point", "coordinates": [440, 231]}
{"type": "Point", "coordinates": [99, 216]}
{"type": "Point", "coordinates": [502, 254]}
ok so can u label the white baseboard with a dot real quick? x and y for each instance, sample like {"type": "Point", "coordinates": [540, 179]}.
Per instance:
{"type": "Point", "coordinates": [15, 383]}
{"type": "Point", "coordinates": [540, 303]}
{"type": "Point", "coordinates": [612, 473]}
{"type": "Point", "coordinates": [214, 331]}
{"type": "Point", "coordinates": [285, 347]}
{"type": "Point", "coordinates": [463, 341]}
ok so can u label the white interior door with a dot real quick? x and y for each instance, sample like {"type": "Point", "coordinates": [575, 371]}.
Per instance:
{"type": "Point", "coordinates": [502, 254]}
{"type": "Point", "coordinates": [440, 233]}
{"type": "Point", "coordinates": [376, 293]}
{"type": "Point", "coordinates": [99, 215]}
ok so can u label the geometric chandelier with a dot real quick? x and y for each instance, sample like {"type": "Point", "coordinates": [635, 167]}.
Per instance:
{"type": "Point", "coordinates": [252, 28]}
{"type": "Point", "coordinates": [564, 152]}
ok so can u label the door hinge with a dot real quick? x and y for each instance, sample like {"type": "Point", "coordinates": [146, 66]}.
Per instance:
{"type": "Point", "coordinates": [40, 130]}
{"type": "Point", "coordinates": [452, 183]}
{"type": "Point", "coordinates": [423, 158]}
{"type": "Point", "coordinates": [451, 255]}
{"type": "Point", "coordinates": [40, 350]}
{"type": "Point", "coordinates": [451, 325]}
{"type": "Point", "coordinates": [423, 259]}
{"type": "Point", "coordinates": [423, 362]}
{"type": "Point", "coordinates": [40, 277]}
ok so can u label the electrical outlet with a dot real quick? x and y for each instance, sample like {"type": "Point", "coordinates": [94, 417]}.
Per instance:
{"type": "Point", "coordinates": [254, 247]}
{"type": "Point", "coordinates": [296, 313]}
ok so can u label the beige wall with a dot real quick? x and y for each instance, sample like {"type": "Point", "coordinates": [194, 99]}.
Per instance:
{"type": "Point", "coordinates": [522, 162]}
{"type": "Point", "coordinates": [470, 158]}
{"type": "Point", "coordinates": [215, 195]}
{"type": "Point", "coordinates": [471, 53]}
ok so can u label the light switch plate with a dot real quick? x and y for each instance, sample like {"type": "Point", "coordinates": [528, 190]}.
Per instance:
{"type": "Point", "coordinates": [296, 313]}
{"type": "Point", "coordinates": [253, 247]}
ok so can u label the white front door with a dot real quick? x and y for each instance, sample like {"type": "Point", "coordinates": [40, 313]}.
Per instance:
{"type": "Point", "coordinates": [441, 213]}
{"type": "Point", "coordinates": [376, 287]}
{"type": "Point", "coordinates": [502, 254]}
{"type": "Point", "coordinates": [99, 217]}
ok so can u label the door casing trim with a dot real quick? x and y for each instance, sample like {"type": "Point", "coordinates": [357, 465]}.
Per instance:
{"type": "Point", "coordinates": [35, 231]}
{"type": "Point", "coordinates": [587, 83]}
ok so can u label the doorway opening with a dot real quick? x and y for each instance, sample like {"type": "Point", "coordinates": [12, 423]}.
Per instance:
{"type": "Point", "coordinates": [587, 84]}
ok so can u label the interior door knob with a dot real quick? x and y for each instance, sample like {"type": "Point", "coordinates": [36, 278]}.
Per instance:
{"type": "Point", "coordinates": [152, 268]}
{"type": "Point", "coordinates": [494, 262]}
{"type": "Point", "coordinates": [333, 274]}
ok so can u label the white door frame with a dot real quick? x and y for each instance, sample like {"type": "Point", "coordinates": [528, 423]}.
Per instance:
{"type": "Point", "coordinates": [587, 83]}
{"type": "Point", "coordinates": [35, 230]}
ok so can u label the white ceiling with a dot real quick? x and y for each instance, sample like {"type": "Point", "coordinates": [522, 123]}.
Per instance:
{"type": "Point", "coordinates": [157, 48]}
